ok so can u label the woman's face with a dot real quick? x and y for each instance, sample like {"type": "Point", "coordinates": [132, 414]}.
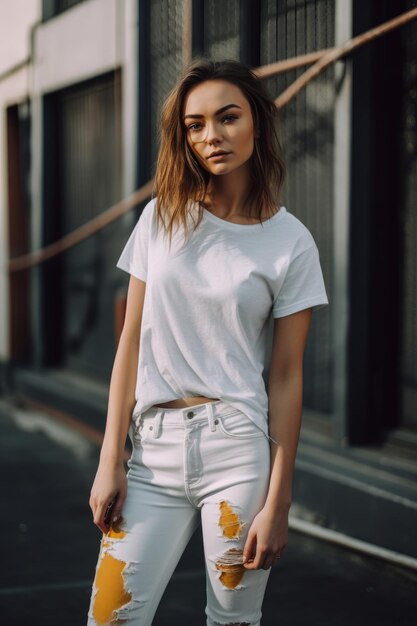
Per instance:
{"type": "Point", "coordinates": [218, 118]}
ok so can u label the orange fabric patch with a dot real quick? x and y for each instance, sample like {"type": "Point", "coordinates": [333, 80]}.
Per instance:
{"type": "Point", "coordinates": [229, 521]}
{"type": "Point", "coordinates": [231, 566]}
{"type": "Point", "coordinates": [111, 593]}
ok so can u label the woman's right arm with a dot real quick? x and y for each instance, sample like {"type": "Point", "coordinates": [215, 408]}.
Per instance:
{"type": "Point", "coordinates": [110, 483]}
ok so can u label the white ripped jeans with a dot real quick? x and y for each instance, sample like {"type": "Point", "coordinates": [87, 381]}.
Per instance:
{"type": "Point", "coordinates": [206, 464]}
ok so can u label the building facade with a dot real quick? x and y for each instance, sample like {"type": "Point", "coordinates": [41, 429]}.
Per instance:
{"type": "Point", "coordinates": [80, 94]}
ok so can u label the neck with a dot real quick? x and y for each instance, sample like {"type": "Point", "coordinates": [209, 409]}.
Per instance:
{"type": "Point", "coordinates": [228, 193]}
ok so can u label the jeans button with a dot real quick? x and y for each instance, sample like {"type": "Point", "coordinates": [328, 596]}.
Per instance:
{"type": "Point", "coordinates": [190, 414]}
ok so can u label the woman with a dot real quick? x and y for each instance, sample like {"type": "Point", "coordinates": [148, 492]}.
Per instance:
{"type": "Point", "coordinates": [207, 378]}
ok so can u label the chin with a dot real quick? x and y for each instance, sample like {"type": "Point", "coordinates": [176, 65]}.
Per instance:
{"type": "Point", "coordinates": [228, 169]}
{"type": "Point", "coordinates": [220, 169]}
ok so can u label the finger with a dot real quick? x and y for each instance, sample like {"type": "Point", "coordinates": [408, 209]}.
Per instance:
{"type": "Point", "coordinates": [261, 554]}
{"type": "Point", "coordinates": [249, 548]}
{"type": "Point", "coordinates": [108, 513]}
{"type": "Point", "coordinates": [258, 559]}
{"type": "Point", "coordinates": [101, 524]}
{"type": "Point", "coordinates": [100, 517]}
{"type": "Point", "coordinates": [116, 513]}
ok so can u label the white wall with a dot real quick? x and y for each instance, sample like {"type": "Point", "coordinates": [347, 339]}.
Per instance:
{"type": "Point", "coordinates": [16, 20]}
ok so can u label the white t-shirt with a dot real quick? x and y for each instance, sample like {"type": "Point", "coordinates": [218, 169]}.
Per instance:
{"type": "Point", "coordinates": [209, 305]}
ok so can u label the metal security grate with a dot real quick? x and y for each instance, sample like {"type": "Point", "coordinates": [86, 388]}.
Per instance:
{"type": "Point", "coordinates": [166, 58]}
{"type": "Point", "coordinates": [290, 28]}
{"type": "Point", "coordinates": [221, 29]}
{"type": "Point", "coordinates": [88, 167]}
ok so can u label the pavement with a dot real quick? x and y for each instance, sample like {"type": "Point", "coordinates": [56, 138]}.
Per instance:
{"type": "Point", "coordinates": [50, 546]}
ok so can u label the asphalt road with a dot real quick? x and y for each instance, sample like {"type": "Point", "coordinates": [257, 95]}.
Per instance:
{"type": "Point", "coordinates": [50, 546]}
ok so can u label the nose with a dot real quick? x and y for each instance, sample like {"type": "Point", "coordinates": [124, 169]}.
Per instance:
{"type": "Point", "coordinates": [213, 135]}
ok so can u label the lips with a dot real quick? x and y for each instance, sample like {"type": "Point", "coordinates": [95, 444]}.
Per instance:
{"type": "Point", "coordinates": [220, 153]}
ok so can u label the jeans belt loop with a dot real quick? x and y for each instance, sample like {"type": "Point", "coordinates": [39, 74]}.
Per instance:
{"type": "Point", "coordinates": [157, 424]}
{"type": "Point", "coordinates": [211, 416]}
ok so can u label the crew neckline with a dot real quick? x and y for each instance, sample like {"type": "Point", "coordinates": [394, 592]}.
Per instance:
{"type": "Point", "coordinates": [234, 226]}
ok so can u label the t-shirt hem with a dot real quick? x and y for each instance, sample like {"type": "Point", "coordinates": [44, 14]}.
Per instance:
{"type": "Point", "coordinates": [316, 303]}
{"type": "Point", "coordinates": [142, 406]}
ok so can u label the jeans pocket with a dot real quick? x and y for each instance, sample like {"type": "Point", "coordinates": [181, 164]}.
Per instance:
{"type": "Point", "coordinates": [140, 430]}
{"type": "Point", "coordinates": [238, 426]}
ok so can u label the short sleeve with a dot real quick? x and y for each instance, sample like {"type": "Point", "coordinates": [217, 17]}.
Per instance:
{"type": "Point", "coordinates": [134, 257]}
{"type": "Point", "coordinates": [303, 286]}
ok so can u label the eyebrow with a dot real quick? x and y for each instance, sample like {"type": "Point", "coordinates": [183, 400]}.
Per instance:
{"type": "Point", "coordinates": [228, 106]}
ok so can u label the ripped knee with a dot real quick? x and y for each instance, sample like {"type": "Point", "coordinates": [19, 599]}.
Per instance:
{"type": "Point", "coordinates": [230, 564]}
{"type": "Point", "coordinates": [111, 594]}
{"type": "Point", "coordinates": [229, 521]}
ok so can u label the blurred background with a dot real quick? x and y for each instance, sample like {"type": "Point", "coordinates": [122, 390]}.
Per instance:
{"type": "Point", "coordinates": [81, 85]}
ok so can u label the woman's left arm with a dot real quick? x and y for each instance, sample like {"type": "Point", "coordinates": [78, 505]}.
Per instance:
{"type": "Point", "coordinates": [268, 534]}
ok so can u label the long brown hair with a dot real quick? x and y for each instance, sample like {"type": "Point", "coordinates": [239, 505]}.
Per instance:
{"type": "Point", "coordinates": [180, 178]}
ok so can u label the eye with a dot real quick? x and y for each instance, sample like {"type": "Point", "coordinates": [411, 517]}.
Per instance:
{"type": "Point", "coordinates": [229, 118]}
{"type": "Point", "coordinates": [194, 127]}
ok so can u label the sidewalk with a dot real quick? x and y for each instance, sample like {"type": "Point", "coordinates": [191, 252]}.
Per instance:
{"type": "Point", "coordinates": [50, 547]}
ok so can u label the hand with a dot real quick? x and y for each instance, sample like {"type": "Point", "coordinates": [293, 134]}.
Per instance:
{"type": "Point", "coordinates": [267, 537]}
{"type": "Point", "coordinates": [108, 494]}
